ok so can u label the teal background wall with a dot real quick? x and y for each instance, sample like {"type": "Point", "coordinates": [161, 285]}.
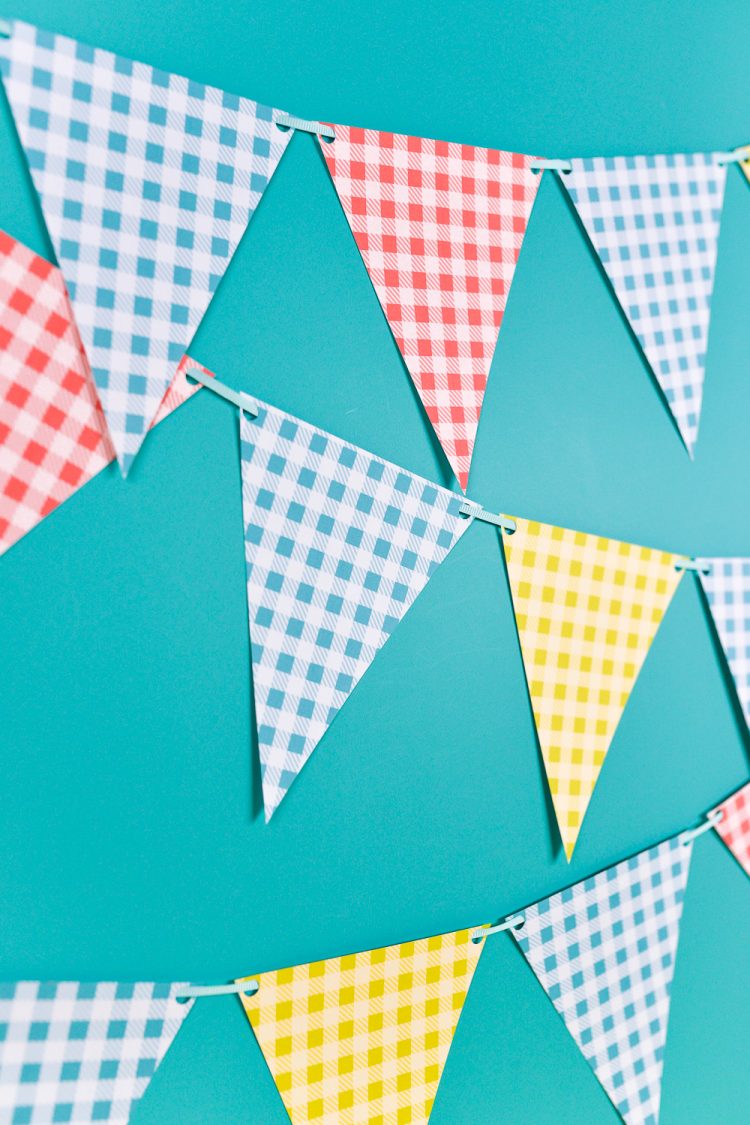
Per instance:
{"type": "Point", "coordinates": [131, 844]}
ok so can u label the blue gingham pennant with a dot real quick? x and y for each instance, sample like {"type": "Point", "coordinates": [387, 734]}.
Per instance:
{"type": "Point", "coordinates": [338, 544]}
{"type": "Point", "coordinates": [147, 182]}
{"type": "Point", "coordinates": [727, 590]}
{"type": "Point", "coordinates": [604, 951]}
{"type": "Point", "coordinates": [74, 1052]}
{"type": "Point", "coordinates": [654, 222]}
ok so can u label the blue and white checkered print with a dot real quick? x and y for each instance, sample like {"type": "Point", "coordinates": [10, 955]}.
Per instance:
{"type": "Point", "coordinates": [654, 222]}
{"type": "Point", "coordinates": [80, 1053]}
{"type": "Point", "coordinates": [147, 183]}
{"type": "Point", "coordinates": [727, 589]}
{"type": "Point", "coordinates": [338, 544]}
{"type": "Point", "coordinates": [604, 951]}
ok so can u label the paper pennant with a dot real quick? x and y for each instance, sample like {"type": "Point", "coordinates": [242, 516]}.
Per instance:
{"type": "Point", "coordinates": [734, 826]}
{"type": "Point", "coordinates": [604, 952]}
{"type": "Point", "coordinates": [147, 182]}
{"type": "Point", "coordinates": [654, 222]}
{"type": "Point", "coordinates": [440, 228]}
{"type": "Point", "coordinates": [364, 1038]}
{"type": "Point", "coordinates": [82, 1052]}
{"type": "Point", "coordinates": [727, 589]}
{"type": "Point", "coordinates": [587, 610]}
{"type": "Point", "coordinates": [338, 544]}
{"type": "Point", "coordinates": [53, 436]}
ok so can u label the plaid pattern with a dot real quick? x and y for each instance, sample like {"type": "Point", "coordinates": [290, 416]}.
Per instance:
{"type": "Point", "coordinates": [734, 826]}
{"type": "Point", "coordinates": [81, 1052]}
{"type": "Point", "coordinates": [727, 589]}
{"type": "Point", "coordinates": [147, 182]}
{"type": "Point", "coordinates": [604, 952]}
{"type": "Point", "coordinates": [440, 228]}
{"type": "Point", "coordinates": [363, 1039]}
{"type": "Point", "coordinates": [338, 544]}
{"type": "Point", "coordinates": [654, 222]}
{"type": "Point", "coordinates": [52, 432]}
{"type": "Point", "coordinates": [587, 610]}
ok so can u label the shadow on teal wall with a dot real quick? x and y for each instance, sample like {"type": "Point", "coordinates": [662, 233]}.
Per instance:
{"type": "Point", "coordinates": [130, 843]}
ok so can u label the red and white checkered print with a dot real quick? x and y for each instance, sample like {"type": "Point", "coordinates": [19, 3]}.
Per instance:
{"type": "Point", "coordinates": [734, 826]}
{"type": "Point", "coordinates": [440, 228]}
{"type": "Point", "coordinates": [53, 437]}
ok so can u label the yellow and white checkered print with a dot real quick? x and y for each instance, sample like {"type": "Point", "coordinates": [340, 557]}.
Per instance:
{"type": "Point", "coordinates": [362, 1039]}
{"type": "Point", "coordinates": [587, 610]}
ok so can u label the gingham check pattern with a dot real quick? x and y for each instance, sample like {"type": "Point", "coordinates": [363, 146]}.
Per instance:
{"type": "Point", "coordinates": [53, 436]}
{"type": "Point", "coordinates": [362, 1040]}
{"type": "Point", "coordinates": [604, 952]}
{"type": "Point", "coordinates": [338, 544]}
{"type": "Point", "coordinates": [734, 826]}
{"type": "Point", "coordinates": [147, 182]}
{"type": "Point", "coordinates": [587, 610]}
{"type": "Point", "coordinates": [440, 228]}
{"type": "Point", "coordinates": [654, 222]}
{"type": "Point", "coordinates": [73, 1052]}
{"type": "Point", "coordinates": [727, 589]}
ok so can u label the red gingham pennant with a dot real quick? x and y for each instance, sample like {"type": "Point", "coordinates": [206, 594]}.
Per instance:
{"type": "Point", "coordinates": [53, 437]}
{"type": "Point", "coordinates": [440, 227]}
{"type": "Point", "coordinates": [734, 826]}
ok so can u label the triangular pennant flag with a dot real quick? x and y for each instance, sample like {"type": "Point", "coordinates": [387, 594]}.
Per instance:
{"type": "Point", "coordinates": [654, 222]}
{"type": "Point", "coordinates": [82, 1052]}
{"type": "Point", "coordinates": [440, 227]}
{"type": "Point", "coordinates": [587, 609]}
{"type": "Point", "coordinates": [604, 952]}
{"type": "Point", "coordinates": [364, 1037]}
{"type": "Point", "coordinates": [726, 583]}
{"type": "Point", "coordinates": [734, 826]}
{"type": "Point", "coordinates": [338, 544]}
{"type": "Point", "coordinates": [147, 182]}
{"type": "Point", "coordinates": [53, 437]}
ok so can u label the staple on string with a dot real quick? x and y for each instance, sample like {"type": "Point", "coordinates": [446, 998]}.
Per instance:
{"type": "Point", "coordinates": [194, 991]}
{"type": "Point", "coordinates": [469, 508]}
{"type": "Point", "coordinates": [710, 822]}
{"type": "Point", "coordinates": [237, 398]}
{"type": "Point", "coordinates": [289, 121]}
{"type": "Point", "coordinates": [512, 922]}
{"type": "Point", "coordinates": [693, 564]}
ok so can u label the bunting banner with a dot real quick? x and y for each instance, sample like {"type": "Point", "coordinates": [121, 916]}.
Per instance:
{"type": "Point", "coordinates": [147, 182]}
{"type": "Point", "coordinates": [734, 826]}
{"type": "Point", "coordinates": [587, 610]}
{"type": "Point", "coordinates": [440, 228]}
{"type": "Point", "coordinates": [53, 438]}
{"type": "Point", "coordinates": [338, 544]}
{"type": "Point", "coordinates": [82, 1052]}
{"type": "Point", "coordinates": [364, 1038]}
{"type": "Point", "coordinates": [726, 584]}
{"type": "Point", "coordinates": [654, 222]}
{"type": "Point", "coordinates": [604, 952]}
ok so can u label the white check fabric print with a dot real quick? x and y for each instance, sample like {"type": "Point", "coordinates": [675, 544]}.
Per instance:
{"type": "Point", "coordinates": [80, 1053]}
{"type": "Point", "coordinates": [147, 182]}
{"type": "Point", "coordinates": [727, 589]}
{"type": "Point", "coordinates": [604, 951]}
{"type": "Point", "coordinates": [654, 222]}
{"type": "Point", "coordinates": [440, 228]}
{"type": "Point", "coordinates": [338, 544]}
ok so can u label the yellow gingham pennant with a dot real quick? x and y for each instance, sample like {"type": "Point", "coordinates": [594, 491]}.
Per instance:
{"type": "Point", "coordinates": [362, 1039]}
{"type": "Point", "coordinates": [587, 610]}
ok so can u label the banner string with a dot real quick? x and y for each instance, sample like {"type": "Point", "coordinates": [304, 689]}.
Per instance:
{"type": "Point", "coordinates": [514, 921]}
{"type": "Point", "coordinates": [469, 508]}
